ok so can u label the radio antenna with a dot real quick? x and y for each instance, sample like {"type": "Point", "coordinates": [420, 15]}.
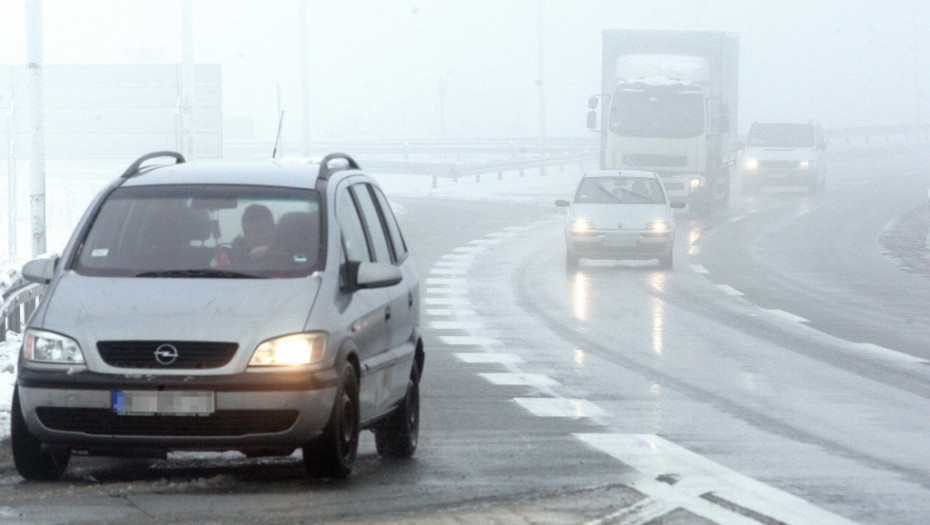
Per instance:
{"type": "Point", "coordinates": [277, 140]}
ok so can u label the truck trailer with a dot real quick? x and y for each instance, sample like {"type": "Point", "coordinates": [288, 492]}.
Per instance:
{"type": "Point", "coordinates": [668, 104]}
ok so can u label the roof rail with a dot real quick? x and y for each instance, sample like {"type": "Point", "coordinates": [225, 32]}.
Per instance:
{"type": "Point", "coordinates": [326, 171]}
{"type": "Point", "coordinates": [134, 167]}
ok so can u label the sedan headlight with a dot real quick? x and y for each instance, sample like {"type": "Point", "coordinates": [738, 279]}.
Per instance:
{"type": "Point", "coordinates": [804, 164]}
{"type": "Point", "coordinates": [582, 225]}
{"type": "Point", "coordinates": [291, 350]}
{"type": "Point", "coordinates": [48, 347]}
{"type": "Point", "coordinates": [658, 226]}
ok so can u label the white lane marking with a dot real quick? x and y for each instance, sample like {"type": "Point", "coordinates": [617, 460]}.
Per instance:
{"type": "Point", "coordinates": [514, 379]}
{"type": "Point", "coordinates": [452, 263]}
{"type": "Point", "coordinates": [729, 290]}
{"type": "Point", "coordinates": [737, 218]}
{"type": "Point", "coordinates": [442, 290]}
{"type": "Point", "coordinates": [881, 351]}
{"type": "Point", "coordinates": [468, 249]}
{"type": "Point", "coordinates": [467, 340]}
{"type": "Point", "coordinates": [489, 357]}
{"type": "Point", "coordinates": [448, 312]}
{"type": "Point", "coordinates": [560, 407]}
{"type": "Point", "coordinates": [860, 183]}
{"type": "Point", "coordinates": [485, 242]}
{"type": "Point", "coordinates": [444, 281]}
{"type": "Point", "coordinates": [699, 476]}
{"type": "Point", "coordinates": [697, 268]}
{"type": "Point", "coordinates": [456, 325]}
{"type": "Point", "coordinates": [788, 316]}
{"type": "Point", "coordinates": [448, 271]}
{"type": "Point", "coordinates": [456, 257]}
{"type": "Point", "coordinates": [447, 301]}
{"type": "Point", "coordinates": [499, 235]}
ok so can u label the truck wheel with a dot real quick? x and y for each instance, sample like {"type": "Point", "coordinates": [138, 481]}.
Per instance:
{"type": "Point", "coordinates": [396, 437]}
{"type": "Point", "coordinates": [333, 454]}
{"type": "Point", "coordinates": [31, 461]}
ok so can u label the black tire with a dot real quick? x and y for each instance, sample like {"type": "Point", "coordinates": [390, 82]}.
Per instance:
{"type": "Point", "coordinates": [571, 261]}
{"type": "Point", "coordinates": [31, 461]}
{"type": "Point", "coordinates": [666, 262]}
{"type": "Point", "coordinates": [396, 437]}
{"type": "Point", "coordinates": [333, 454]}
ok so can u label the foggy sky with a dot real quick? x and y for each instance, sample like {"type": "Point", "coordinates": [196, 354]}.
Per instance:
{"type": "Point", "coordinates": [375, 64]}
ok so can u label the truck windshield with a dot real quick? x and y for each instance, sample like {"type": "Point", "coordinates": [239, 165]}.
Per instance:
{"type": "Point", "coordinates": [781, 136]}
{"type": "Point", "coordinates": [656, 112]}
{"type": "Point", "coordinates": [204, 231]}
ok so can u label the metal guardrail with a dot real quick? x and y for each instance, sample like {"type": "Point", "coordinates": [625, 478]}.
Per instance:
{"type": "Point", "coordinates": [18, 304]}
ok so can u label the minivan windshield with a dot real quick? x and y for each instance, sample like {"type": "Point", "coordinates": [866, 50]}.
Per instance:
{"type": "Point", "coordinates": [204, 231]}
{"type": "Point", "coordinates": [781, 135]}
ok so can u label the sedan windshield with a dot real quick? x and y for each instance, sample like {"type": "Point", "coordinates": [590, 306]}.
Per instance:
{"type": "Point", "coordinates": [204, 231]}
{"type": "Point", "coordinates": [619, 190]}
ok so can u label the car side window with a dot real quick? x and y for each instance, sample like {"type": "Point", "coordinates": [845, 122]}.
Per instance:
{"type": "Point", "coordinates": [353, 233]}
{"type": "Point", "coordinates": [372, 218]}
{"type": "Point", "coordinates": [397, 239]}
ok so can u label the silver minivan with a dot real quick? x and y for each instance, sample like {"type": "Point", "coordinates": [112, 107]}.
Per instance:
{"type": "Point", "coordinates": [258, 306]}
{"type": "Point", "coordinates": [619, 215]}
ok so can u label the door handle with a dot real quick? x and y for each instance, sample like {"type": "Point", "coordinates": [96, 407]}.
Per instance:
{"type": "Point", "coordinates": [409, 300]}
{"type": "Point", "coordinates": [387, 313]}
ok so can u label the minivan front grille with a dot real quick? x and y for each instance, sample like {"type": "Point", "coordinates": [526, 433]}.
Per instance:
{"type": "Point", "coordinates": [194, 355]}
{"type": "Point", "coordinates": [101, 421]}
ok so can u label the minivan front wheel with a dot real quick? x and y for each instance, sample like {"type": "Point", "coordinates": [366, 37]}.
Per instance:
{"type": "Point", "coordinates": [333, 454]}
{"type": "Point", "coordinates": [396, 437]}
{"type": "Point", "coordinates": [31, 461]}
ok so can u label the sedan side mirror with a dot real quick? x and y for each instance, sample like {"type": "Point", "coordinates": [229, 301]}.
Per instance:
{"type": "Point", "coordinates": [40, 270]}
{"type": "Point", "coordinates": [370, 275]}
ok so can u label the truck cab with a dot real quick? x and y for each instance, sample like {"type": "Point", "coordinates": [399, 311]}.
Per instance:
{"type": "Point", "coordinates": [783, 154]}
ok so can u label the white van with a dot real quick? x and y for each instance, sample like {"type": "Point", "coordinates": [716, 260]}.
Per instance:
{"type": "Point", "coordinates": [783, 154]}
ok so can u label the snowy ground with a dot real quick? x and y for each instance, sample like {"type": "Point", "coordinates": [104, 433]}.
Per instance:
{"type": "Point", "coordinates": [67, 200]}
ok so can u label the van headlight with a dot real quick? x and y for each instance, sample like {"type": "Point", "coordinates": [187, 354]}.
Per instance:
{"type": "Point", "coordinates": [804, 164]}
{"type": "Point", "coordinates": [47, 347]}
{"type": "Point", "coordinates": [290, 350]}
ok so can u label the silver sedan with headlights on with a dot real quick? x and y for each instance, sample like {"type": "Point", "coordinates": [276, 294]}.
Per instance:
{"type": "Point", "coordinates": [619, 215]}
{"type": "Point", "coordinates": [256, 306]}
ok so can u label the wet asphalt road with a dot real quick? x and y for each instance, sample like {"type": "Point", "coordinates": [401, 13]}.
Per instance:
{"type": "Point", "coordinates": [780, 361]}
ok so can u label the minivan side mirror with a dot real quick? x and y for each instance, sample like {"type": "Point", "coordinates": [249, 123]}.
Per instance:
{"type": "Point", "coordinates": [592, 119]}
{"type": "Point", "coordinates": [370, 275]}
{"type": "Point", "coordinates": [676, 204]}
{"type": "Point", "coordinates": [40, 270]}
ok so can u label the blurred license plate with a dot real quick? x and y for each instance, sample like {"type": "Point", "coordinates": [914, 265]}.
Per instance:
{"type": "Point", "coordinates": [620, 240]}
{"type": "Point", "coordinates": [130, 402]}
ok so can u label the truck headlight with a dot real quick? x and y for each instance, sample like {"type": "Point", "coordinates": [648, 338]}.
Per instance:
{"type": "Point", "coordinates": [47, 347]}
{"type": "Point", "coordinates": [694, 183]}
{"type": "Point", "coordinates": [291, 350]}
{"type": "Point", "coordinates": [804, 164]}
{"type": "Point", "coordinates": [751, 164]}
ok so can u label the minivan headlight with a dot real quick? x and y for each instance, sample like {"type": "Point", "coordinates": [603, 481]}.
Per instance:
{"type": "Point", "coordinates": [804, 164]}
{"type": "Point", "coordinates": [48, 347]}
{"type": "Point", "coordinates": [290, 350]}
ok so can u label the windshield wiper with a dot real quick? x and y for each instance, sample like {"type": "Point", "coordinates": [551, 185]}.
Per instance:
{"type": "Point", "coordinates": [201, 272]}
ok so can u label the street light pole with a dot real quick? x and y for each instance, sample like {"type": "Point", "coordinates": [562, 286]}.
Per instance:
{"type": "Point", "coordinates": [34, 62]}
{"type": "Point", "coordinates": [540, 81]}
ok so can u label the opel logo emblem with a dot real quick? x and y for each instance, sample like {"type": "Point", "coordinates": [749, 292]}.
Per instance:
{"type": "Point", "coordinates": [166, 354]}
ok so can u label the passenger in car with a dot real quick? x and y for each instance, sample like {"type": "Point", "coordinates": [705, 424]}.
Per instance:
{"type": "Point", "coordinates": [258, 235]}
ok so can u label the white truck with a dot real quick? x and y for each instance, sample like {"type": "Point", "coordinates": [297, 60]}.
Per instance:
{"type": "Point", "coordinates": [668, 104]}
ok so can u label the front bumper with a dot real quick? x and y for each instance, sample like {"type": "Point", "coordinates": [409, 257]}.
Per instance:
{"type": "Point", "coordinates": [780, 177]}
{"type": "Point", "coordinates": [620, 244]}
{"type": "Point", "coordinates": [252, 410]}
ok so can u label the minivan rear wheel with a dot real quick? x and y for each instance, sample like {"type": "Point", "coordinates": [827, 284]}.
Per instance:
{"type": "Point", "coordinates": [31, 461]}
{"type": "Point", "coordinates": [333, 454]}
{"type": "Point", "coordinates": [396, 437]}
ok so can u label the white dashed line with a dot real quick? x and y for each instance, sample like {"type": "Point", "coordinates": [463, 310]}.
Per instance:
{"type": "Point", "coordinates": [559, 407]}
{"type": "Point", "coordinates": [456, 325]}
{"type": "Point", "coordinates": [788, 316]}
{"type": "Point", "coordinates": [489, 357]}
{"type": "Point", "coordinates": [520, 379]}
{"type": "Point", "coordinates": [467, 340]}
{"type": "Point", "coordinates": [729, 290]}
{"type": "Point", "coordinates": [881, 351]}
{"type": "Point", "coordinates": [447, 301]}
{"type": "Point", "coordinates": [697, 268]}
{"type": "Point", "coordinates": [444, 281]}
{"type": "Point", "coordinates": [442, 290]}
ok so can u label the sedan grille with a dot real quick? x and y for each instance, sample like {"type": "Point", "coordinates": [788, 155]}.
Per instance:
{"type": "Point", "coordinates": [101, 421]}
{"type": "Point", "coordinates": [159, 354]}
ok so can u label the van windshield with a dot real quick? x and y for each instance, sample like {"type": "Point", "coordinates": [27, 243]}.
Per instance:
{"type": "Point", "coordinates": [781, 136]}
{"type": "Point", "coordinates": [211, 231]}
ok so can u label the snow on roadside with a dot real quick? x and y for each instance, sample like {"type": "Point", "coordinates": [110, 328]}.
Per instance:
{"type": "Point", "coordinates": [8, 354]}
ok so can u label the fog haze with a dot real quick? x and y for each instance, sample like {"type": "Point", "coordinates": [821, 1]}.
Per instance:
{"type": "Point", "coordinates": [375, 65]}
